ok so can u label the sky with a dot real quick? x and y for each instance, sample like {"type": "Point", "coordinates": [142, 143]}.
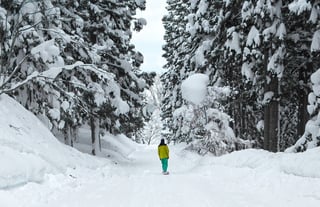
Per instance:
{"type": "Point", "coordinates": [149, 41]}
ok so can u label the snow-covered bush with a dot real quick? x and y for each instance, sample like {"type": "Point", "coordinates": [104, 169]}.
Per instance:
{"type": "Point", "coordinates": [204, 124]}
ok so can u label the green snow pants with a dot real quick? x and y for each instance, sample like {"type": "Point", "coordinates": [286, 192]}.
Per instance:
{"type": "Point", "coordinates": [164, 163]}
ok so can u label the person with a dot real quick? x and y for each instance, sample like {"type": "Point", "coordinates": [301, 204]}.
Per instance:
{"type": "Point", "coordinates": [163, 152]}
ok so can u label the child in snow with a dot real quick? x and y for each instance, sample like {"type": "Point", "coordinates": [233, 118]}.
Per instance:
{"type": "Point", "coordinates": [163, 152]}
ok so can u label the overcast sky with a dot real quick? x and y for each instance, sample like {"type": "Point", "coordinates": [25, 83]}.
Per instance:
{"type": "Point", "coordinates": [149, 41]}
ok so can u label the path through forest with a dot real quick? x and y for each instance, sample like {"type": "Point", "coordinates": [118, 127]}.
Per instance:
{"type": "Point", "coordinates": [192, 182]}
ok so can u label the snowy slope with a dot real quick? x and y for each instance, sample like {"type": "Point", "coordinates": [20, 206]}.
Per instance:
{"type": "Point", "coordinates": [28, 150]}
{"type": "Point", "coordinates": [62, 176]}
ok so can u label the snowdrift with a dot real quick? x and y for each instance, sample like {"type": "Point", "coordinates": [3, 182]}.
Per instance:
{"type": "Point", "coordinates": [28, 150]}
{"type": "Point", "coordinates": [306, 164]}
{"type": "Point", "coordinates": [118, 148]}
{"type": "Point", "coordinates": [113, 147]}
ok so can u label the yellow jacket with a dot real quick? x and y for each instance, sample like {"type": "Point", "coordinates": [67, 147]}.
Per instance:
{"type": "Point", "coordinates": [163, 151]}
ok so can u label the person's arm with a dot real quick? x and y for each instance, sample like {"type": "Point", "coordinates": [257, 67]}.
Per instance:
{"type": "Point", "coordinates": [167, 151]}
{"type": "Point", "coordinates": [159, 152]}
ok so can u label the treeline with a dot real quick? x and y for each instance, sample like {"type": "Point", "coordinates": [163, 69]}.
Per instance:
{"type": "Point", "coordinates": [264, 51]}
{"type": "Point", "coordinates": [72, 63]}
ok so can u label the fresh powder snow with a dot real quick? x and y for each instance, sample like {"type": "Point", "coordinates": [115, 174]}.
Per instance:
{"type": "Point", "coordinates": [28, 149]}
{"type": "Point", "coordinates": [194, 88]}
{"type": "Point", "coordinates": [39, 171]}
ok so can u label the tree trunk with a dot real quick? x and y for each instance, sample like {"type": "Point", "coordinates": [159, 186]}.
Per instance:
{"type": "Point", "coordinates": [266, 131]}
{"type": "Point", "coordinates": [67, 135]}
{"type": "Point", "coordinates": [271, 121]}
{"type": "Point", "coordinates": [94, 125]}
{"type": "Point", "coordinates": [303, 115]}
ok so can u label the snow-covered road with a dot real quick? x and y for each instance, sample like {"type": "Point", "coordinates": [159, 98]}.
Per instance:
{"type": "Point", "coordinates": [193, 182]}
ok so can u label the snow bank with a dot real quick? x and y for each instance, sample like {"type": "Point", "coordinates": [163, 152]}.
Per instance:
{"type": "Point", "coordinates": [306, 164]}
{"type": "Point", "coordinates": [28, 149]}
{"type": "Point", "coordinates": [118, 148]}
{"type": "Point", "coordinates": [115, 148]}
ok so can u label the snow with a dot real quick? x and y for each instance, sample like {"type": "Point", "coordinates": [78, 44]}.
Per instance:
{"type": "Point", "coordinates": [274, 163]}
{"type": "Point", "coordinates": [315, 79]}
{"type": "Point", "coordinates": [253, 37]}
{"type": "Point", "coordinates": [246, 70]}
{"type": "Point", "coordinates": [123, 107]}
{"type": "Point", "coordinates": [193, 4]}
{"type": "Point", "coordinates": [267, 97]}
{"type": "Point", "coordinates": [201, 51]}
{"type": "Point", "coordinates": [39, 171]}
{"type": "Point", "coordinates": [233, 43]}
{"type": "Point", "coordinates": [246, 11]}
{"type": "Point", "coordinates": [96, 89]}
{"type": "Point", "coordinates": [65, 105]}
{"type": "Point", "coordinates": [4, 24]}
{"type": "Point", "coordinates": [260, 125]}
{"type": "Point", "coordinates": [248, 178]}
{"type": "Point", "coordinates": [202, 8]}
{"type": "Point", "coordinates": [140, 3]}
{"type": "Point", "coordinates": [53, 72]}
{"type": "Point", "coordinates": [310, 138]}
{"type": "Point", "coordinates": [312, 98]}
{"type": "Point", "coordinates": [315, 45]}
{"type": "Point", "coordinates": [54, 113]}
{"type": "Point", "coordinates": [227, 2]}
{"type": "Point", "coordinates": [49, 53]}
{"type": "Point", "coordinates": [194, 88]}
{"type": "Point", "coordinates": [275, 63]}
{"type": "Point", "coordinates": [270, 31]}
{"type": "Point", "coordinates": [281, 31]}
{"type": "Point", "coordinates": [299, 6]}
{"type": "Point", "coordinates": [314, 15]}
{"type": "Point", "coordinates": [29, 151]}
{"type": "Point", "coordinates": [190, 26]}
{"type": "Point", "coordinates": [142, 21]}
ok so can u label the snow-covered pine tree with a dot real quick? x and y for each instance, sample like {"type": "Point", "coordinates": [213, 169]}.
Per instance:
{"type": "Point", "coordinates": [198, 50]}
{"type": "Point", "coordinates": [21, 31]}
{"type": "Point", "coordinates": [32, 44]}
{"type": "Point", "coordinates": [252, 72]}
{"type": "Point", "coordinates": [104, 32]}
{"type": "Point", "coordinates": [311, 136]}
{"type": "Point", "coordinates": [308, 14]}
{"type": "Point", "coordinates": [59, 88]}
{"type": "Point", "coordinates": [296, 77]}
{"type": "Point", "coordinates": [174, 52]}
{"type": "Point", "coordinates": [107, 26]}
{"type": "Point", "coordinates": [204, 121]}
{"type": "Point", "coordinates": [263, 61]}
{"type": "Point", "coordinates": [49, 83]}
{"type": "Point", "coordinates": [240, 105]}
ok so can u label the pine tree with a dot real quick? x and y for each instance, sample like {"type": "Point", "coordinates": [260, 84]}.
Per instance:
{"type": "Point", "coordinates": [75, 62]}
{"type": "Point", "coordinates": [307, 58]}
{"type": "Point", "coordinates": [296, 76]}
{"type": "Point", "coordinates": [263, 61]}
{"type": "Point", "coordinates": [174, 48]}
{"type": "Point", "coordinates": [239, 105]}
{"type": "Point", "coordinates": [197, 50]}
